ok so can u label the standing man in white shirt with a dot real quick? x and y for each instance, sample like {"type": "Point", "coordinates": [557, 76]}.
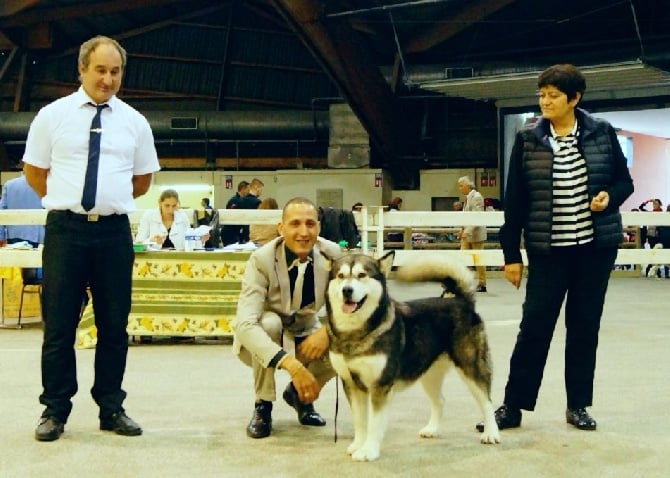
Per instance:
{"type": "Point", "coordinates": [473, 237]}
{"type": "Point", "coordinates": [88, 155]}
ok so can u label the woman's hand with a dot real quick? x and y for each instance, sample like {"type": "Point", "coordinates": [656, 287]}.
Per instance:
{"type": "Point", "coordinates": [158, 239]}
{"type": "Point", "coordinates": [600, 202]}
{"type": "Point", "coordinates": [513, 273]}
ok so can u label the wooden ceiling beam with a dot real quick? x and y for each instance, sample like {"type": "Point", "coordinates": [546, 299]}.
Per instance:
{"type": "Point", "coordinates": [12, 7]}
{"type": "Point", "coordinates": [351, 67]}
{"type": "Point", "coordinates": [446, 28]}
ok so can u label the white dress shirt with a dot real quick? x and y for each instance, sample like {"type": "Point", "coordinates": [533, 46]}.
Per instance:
{"type": "Point", "coordinates": [152, 225]}
{"type": "Point", "coordinates": [58, 141]}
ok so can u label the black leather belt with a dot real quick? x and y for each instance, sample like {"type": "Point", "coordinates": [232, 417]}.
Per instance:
{"type": "Point", "coordinates": [88, 217]}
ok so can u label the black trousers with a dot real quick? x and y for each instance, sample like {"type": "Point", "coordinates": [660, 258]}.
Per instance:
{"type": "Point", "coordinates": [76, 253]}
{"type": "Point", "coordinates": [581, 274]}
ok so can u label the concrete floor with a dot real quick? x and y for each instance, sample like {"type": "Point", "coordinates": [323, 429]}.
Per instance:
{"type": "Point", "coordinates": [194, 400]}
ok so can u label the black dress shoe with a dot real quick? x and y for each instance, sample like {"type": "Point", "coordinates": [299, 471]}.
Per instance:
{"type": "Point", "coordinates": [121, 424]}
{"type": "Point", "coordinates": [481, 288]}
{"type": "Point", "coordinates": [260, 425]}
{"type": "Point", "coordinates": [49, 429]}
{"type": "Point", "coordinates": [580, 418]}
{"type": "Point", "coordinates": [506, 417]}
{"type": "Point", "coordinates": [306, 413]}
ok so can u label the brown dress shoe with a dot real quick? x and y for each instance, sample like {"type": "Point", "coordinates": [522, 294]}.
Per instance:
{"type": "Point", "coordinates": [49, 429]}
{"type": "Point", "coordinates": [260, 424]}
{"type": "Point", "coordinates": [306, 413]}
{"type": "Point", "coordinates": [121, 424]}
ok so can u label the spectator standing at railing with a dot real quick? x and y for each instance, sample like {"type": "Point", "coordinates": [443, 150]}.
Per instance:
{"type": "Point", "coordinates": [567, 179]}
{"type": "Point", "coordinates": [17, 194]}
{"type": "Point", "coordinates": [473, 237]}
{"type": "Point", "coordinates": [230, 233]}
{"type": "Point", "coordinates": [651, 235]}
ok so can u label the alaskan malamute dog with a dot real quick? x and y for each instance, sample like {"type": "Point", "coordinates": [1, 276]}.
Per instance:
{"type": "Point", "coordinates": [379, 346]}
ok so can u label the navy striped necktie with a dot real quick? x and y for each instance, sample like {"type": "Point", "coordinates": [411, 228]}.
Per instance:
{"type": "Point", "coordinates": [91, 181]}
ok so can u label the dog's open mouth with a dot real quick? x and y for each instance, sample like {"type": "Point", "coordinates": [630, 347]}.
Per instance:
{"type": "Point", "coordinates": [349, 306]}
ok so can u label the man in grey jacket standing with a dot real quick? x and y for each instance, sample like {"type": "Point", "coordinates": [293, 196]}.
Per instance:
{"type": "Point", "coordinates": [473, 237]}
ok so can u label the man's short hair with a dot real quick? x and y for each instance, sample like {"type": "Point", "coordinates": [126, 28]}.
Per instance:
{"type": "Point", "coordinates": [242, 185]}
{"type": "Point", "coordinates": [297, 200]}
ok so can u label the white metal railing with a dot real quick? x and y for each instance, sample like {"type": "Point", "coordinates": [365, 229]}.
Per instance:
{"type": "Point", "coordinates": [374, 219]}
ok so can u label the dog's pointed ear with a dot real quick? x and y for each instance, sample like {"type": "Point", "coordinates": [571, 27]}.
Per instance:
{"type": "Point", "coordinates": [386, 263]}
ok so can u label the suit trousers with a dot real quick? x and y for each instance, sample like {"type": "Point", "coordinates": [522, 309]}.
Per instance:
{"type": "Point", "coordinates": [264, 377]}
{"type": "Point", "coordinates": [481, 270]}
{"type": "Point", "coordinates": [579, 274]}
{"type": "Point", "coordinates": [78, 253]}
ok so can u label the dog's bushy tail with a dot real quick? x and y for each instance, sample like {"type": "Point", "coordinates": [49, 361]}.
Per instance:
{"type": "Point", "coordinates": [455, 277]}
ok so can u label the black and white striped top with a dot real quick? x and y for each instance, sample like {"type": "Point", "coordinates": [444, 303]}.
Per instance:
{"type": "Point", "coordinates": [571, 217]}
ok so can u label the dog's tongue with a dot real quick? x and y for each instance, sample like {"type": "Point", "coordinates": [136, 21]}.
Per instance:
{"type": "Point", "coordinates": [349, 307]}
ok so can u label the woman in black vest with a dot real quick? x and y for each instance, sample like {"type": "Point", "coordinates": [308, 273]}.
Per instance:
{"type": "Point", "coordinates": [567, 178]}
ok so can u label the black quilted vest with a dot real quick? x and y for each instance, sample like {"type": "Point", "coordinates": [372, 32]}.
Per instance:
{"type": "Point", "coordinates": [596, 148]}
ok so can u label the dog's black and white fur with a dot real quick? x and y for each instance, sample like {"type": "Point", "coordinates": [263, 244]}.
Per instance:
{"type": "Point", "coordinates": [379, 346]}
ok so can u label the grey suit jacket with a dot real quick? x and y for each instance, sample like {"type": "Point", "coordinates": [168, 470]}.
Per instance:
{"type": "Point", "coordinates": [474, 202]}
{"type": "Point", "coordinates": [266, 287]}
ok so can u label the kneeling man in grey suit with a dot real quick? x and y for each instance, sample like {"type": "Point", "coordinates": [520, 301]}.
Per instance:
{"type": "Point", "coordinates": [276, 326]}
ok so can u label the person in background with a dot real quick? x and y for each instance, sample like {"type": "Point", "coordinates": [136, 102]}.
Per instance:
{"type": "Point", "coordinates": [204, 215]}
{"type": "Point", "coordinates": [17, 194]}
{"type": "Point", "coordinates": [165, 225]}
{"type": "Point", "coordinates": [651, 232]}
{"type": "Point", "coordinates": [262, 233]}
{"type": "Point", "coordinates": [395, 204]}
{"type": "Point", "coordinates": [457, 206]}
{"type": "Point", "coordinates": [276, 326]}
{"type": "Point", "coordinates": [88, 192]}
{"type": "Point", "coordinates": [473, 237]}
{"type": "Point", "coordinates": [230, 233]}
{"type": "Point", "coordinates": [250, 201]}
{"type": "Point", "coordinates": [567, 179]}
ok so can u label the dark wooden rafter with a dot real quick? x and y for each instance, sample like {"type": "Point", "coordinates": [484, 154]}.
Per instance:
{"type": "Point", "coordinates": [441, 31]}
{"type": "Point", "coordinates": [12, 7]}
{"type": "Point", "coordinates": [225, 61]}
{"type": "Point", "coordinates": [360, 82]}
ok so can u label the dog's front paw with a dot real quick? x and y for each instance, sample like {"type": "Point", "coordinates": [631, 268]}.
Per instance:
{"type": "Point", "coordinates": [490, 438]}
{"type": "Point", "coordinates": [355, 445]}
{"type": "Point", "coordinates": [429, 431]}
{"type": "Point", "coordinates": [367, 453]}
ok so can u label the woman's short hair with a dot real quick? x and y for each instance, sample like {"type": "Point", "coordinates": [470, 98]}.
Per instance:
{"type": "Point", "coordinates": [567, 78]}
{"type": "Point", "coordinates": [168, 193]}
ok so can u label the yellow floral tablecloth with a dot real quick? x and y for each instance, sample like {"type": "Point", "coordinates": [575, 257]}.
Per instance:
{"type": "Point", "coordinates": [178, 294]}
{"type": "Point", "coordinates": [11, 291]}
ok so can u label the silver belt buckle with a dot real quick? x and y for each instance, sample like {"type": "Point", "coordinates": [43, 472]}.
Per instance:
{"type": "Point", "coordinates": [93, 217]}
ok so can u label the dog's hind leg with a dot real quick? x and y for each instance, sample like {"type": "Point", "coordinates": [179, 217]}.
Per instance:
{"type": "Point", "coordinates": [432, 381]}
{"type": "Point", "coordinates": [379, 399]}
{"type": "Point", "coordinates": [480, 392]}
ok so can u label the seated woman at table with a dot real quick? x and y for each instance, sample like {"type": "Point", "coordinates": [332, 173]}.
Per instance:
{"type": "Point", "coordinates": [167, 225]}
{"type": "Point", "coordinates": [262, 233]}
